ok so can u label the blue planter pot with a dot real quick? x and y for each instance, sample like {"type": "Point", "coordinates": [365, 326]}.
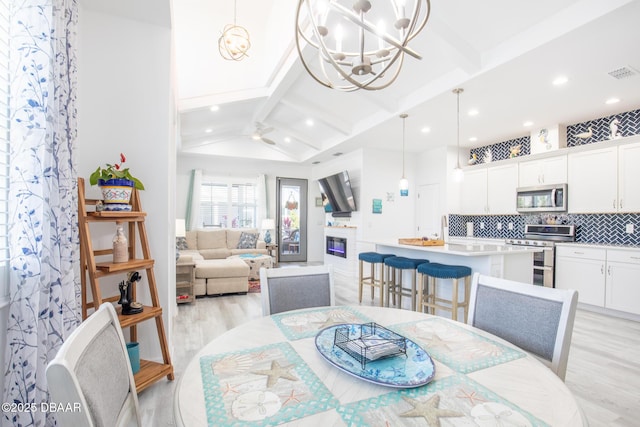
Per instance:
{"type": "Point", "coordinates": [118, 182]}
{"type": "Point", "coordinates": [117, 190]}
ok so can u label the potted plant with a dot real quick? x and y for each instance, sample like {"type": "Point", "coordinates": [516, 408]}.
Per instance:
{"type": "Point", "coordinates": [115, 182]}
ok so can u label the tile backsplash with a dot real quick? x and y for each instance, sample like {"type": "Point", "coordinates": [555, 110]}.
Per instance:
{"type": "Point", "coordinates": [607, 229]}
{"type": "Point", "coordinates": [600, 130]}
{"type": "Point", "coordinates": [501, 150]}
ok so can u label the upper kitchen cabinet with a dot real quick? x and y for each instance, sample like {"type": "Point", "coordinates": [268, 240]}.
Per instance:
{"type": "Point", "coordinates": [552, 170]}
{"type": "Point", "coordinates": [474, 192]}
{"type": "Point", "coordinates": [501, 189]}
{"type": "Point", "coordinates": [490, 190]}
{"type": "Point", "coordinates": [629, 178]}
{"type": "Point", "coordinates": [603, 180]}
{"type": "Point", "coordinates": [592, 180]}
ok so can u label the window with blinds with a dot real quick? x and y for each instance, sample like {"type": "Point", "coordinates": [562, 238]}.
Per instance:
{"type": "Point", "coordinates": [4, 148]}
{"type": "Point", "coordinates": [227, 205]}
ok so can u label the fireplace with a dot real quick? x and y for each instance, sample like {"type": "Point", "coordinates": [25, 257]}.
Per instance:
{"type": "Point", "coordinates": [336, 246]}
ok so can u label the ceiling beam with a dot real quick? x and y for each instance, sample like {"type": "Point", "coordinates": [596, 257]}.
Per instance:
{"type": "Point", "coordinates": [282, 127]}
{"type": "Point", "coordinates": [321, 114]}
{"type": "Point", "coordinates": [454, 47]}
{"type": "Point", "coordinates": [190, 104]}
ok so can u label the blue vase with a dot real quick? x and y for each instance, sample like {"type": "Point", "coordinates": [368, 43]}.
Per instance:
{"type": "Point", "coordinates": [267, 237]}
{"type": "Point", "coordinates": [133, 348]}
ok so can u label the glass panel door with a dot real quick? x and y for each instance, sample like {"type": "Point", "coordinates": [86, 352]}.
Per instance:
{"type": "Point", "coordinates": [291, 211]}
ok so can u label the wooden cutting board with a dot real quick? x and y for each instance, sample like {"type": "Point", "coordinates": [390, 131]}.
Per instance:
{"type": "Point", "coordinates": [418, 241]}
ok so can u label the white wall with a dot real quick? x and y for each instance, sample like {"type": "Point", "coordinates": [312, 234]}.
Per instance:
{"type": "Point", "coordinates": [382, 171]}
{"type": "Point", "coordinates": [437, 167]}
{"type": "Point", "coordinates": [249, 168]}
{"type": "Point", "coordinates": [125, 105]}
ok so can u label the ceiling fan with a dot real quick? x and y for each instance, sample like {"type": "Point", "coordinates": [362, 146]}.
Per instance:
{"type": "Point", "coordinates": [258, 134]}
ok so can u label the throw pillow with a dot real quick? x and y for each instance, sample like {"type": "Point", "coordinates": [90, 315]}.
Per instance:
{"type": "Point", "coordinates": [181, 243]}
{"type": "Point", "coordinates": [248, 240]}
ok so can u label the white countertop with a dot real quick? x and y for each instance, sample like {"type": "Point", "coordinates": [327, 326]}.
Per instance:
{"type": "Point", "coordinates": [599, 246]}
{"type": "Point", "coordinates": [471, 250]}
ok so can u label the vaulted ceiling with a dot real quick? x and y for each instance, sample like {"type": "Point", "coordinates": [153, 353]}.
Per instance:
{"type": "Point", "coordinates": [505, 54]}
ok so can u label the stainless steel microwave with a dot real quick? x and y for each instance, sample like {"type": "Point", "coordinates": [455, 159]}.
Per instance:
{"type": "Point", "coordinates": [543, 198]}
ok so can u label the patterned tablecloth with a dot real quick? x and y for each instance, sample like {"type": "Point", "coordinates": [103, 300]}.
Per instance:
{"type": "Point", "coordinates": [268, 372]}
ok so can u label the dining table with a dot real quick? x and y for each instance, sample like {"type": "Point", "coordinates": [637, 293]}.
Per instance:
{"type": "Point", "coordinates": [296, 369]}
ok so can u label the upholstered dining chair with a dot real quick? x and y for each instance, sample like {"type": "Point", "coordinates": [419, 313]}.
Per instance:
{"type": "Point", "coordinates": [536, 319]}
{"type": "Point", "coordinates": [92, 370]}
{"type": "Point", "coordinates": [291, 288]}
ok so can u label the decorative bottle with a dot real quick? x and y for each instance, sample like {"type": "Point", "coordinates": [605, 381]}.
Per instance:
{"type": "Point", "coordinates": [120, 246]}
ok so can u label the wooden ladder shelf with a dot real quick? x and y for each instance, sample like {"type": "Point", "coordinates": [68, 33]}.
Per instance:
{"type": "Point", "coordinates": [150, 371]}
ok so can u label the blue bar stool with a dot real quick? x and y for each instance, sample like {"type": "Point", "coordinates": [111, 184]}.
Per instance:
{"type": "Point", "coordinates": [430, 299]}
{"type": "Point", "coordinates": [374, 259]}
{"type": "Point", "coordinates": [395, 266]}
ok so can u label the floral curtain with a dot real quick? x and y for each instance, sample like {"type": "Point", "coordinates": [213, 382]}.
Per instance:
{"type": "Point", "coordinates": [43, 235]}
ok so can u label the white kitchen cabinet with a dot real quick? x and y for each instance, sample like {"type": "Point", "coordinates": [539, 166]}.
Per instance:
{"type": "Point", "coordinates": [623, 281]}
{"type": "Point", "coordinates": [593, 181]}
{"type": "Point", "coordinates": [582, 269]}
{"type": "Point", "coordinates": [474, 192]}
{"type": "Point", "coordinates": [552, 170]}
{"type": "Point", "coordinates": [502, 182]}
{"type": "Point", "coordinates": [490, 190]}
{"type": "Point", "coordinates": [607, 278]}
{"type": "Point", "coordinates": [629, 178]}
{"type": "Point", "coordinates": [605, 180]}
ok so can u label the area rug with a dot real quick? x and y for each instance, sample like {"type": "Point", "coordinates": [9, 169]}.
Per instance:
{"type": "Point", "coordinates": [254, 286]}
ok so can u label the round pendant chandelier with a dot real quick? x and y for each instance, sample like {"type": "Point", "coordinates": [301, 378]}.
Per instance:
{"type": "Point", "coordinates": [234, 43]}
{"type": "Point", "coordinates": [352, 44]}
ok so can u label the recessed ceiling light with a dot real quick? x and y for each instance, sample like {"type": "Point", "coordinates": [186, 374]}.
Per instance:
{"type": "Point", "coordinates": [287, 139]}
{"type": "Point", "coordinates": [208, 130]}
{"type": "Point", "coordinates": [473, 139]}
{"type": "Point", "coordinates": [426, 129]}
{"type": "Point", "coordinates": [527, 124]}
{"type": "Point", "coordinates": [560, 80]}
{"type": "Point", "coordinates": [473, 112]}
{"type": "Point", "coordinates": [309, 122]}
{"type": "Point", "coordinates": [612, 101]}
{"type": "Point", "coordinates": [214, 108]}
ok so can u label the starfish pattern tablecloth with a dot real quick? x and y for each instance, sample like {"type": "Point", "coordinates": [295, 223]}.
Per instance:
{"type": "Point", "coordinates": [275, 376]}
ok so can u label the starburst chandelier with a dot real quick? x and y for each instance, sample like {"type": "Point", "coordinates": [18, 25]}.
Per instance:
{"type": "Point", "coordinates": [350, 44]}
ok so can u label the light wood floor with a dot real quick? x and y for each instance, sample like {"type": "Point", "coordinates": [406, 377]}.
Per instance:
{"type": "Point", "coordinates": [603, 371]}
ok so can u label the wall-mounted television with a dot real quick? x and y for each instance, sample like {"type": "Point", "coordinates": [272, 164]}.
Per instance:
{"type": "Point", "coordinates": [337, 194]}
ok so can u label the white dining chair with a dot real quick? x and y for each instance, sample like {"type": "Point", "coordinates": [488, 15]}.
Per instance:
{"type": "Point", "coordinates": [539, 320]}
{"type": "Point", "coordinates": [92, 370]}
{"type": "Point", "coordinates": [291, 288]}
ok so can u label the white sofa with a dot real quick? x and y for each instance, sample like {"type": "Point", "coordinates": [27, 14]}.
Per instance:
{"type": "Point", "coordinates": [209, 249]}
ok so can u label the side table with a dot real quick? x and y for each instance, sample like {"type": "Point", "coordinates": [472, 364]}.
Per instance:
{"type": "Point", "coordinates": [272, 248]}
{"type": "Point", "coordinates": [184, 282]}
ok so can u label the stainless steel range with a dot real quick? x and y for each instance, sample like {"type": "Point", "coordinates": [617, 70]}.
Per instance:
{"type": "Point", "coordinates": [545, 237]}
